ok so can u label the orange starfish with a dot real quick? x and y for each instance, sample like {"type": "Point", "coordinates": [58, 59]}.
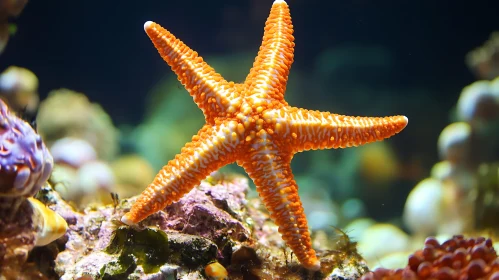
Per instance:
{"type": "Point", "coordinates": [253, 125]}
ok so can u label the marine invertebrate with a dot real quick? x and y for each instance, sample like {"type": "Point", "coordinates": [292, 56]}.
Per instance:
{"type": "Point", "coordinates": [25, 165]}
{"type": "Point", "coordinates": [253, 125]}
{"type": "Point", "coordinates": [51, 225]}
{"type": "Point", "coordinates": [24, 160]}
{"type": "Point", "coordinates": [456, 258]}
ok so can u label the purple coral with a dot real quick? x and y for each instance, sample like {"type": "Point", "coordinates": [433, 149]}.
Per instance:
{"type": "Point", "coordinates": [25, 162]}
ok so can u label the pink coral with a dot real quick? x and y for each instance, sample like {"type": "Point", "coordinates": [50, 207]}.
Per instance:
{"type": "Point", "coordinates": [25, 162]}
{"type": "Point", "coordinates": [456, 258]}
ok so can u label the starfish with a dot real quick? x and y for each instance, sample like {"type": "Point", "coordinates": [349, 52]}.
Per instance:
{"type": "Point", "coordinates": [251, 124]}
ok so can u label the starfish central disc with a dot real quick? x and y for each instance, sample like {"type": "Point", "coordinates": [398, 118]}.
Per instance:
{"type": "Point", "coordinates": [252, 124]}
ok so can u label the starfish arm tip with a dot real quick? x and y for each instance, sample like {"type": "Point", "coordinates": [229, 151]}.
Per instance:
{"type": "Point", "coordinates": [147, 25]}
{"type": "Point", "coordinates": [279, 1]}
{"type": "Point", "coordinates": [315, 266]}
{"type": "Point", "coordinates": [127, 221]}
{"type": "Point", "coordinates": [405, 120]}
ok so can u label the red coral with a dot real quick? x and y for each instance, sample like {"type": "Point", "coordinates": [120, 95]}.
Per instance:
{"type": "Point", "coordinates": [456, 258]}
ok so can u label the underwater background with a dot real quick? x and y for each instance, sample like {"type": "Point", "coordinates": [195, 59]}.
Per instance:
{"type": "Point", "coordinates": [101, 49]}
{"type": "Point", "coordinates": [436, 62]}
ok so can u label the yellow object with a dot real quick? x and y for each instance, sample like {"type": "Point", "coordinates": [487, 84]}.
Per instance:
{"type": "Point", "coordinates": [133, 174]}
{"type": "Point", "coordinates": [216, 271]}
{"type": "Point", "coordinates": [379, 164]}
{"type": "Point", "coordinates": [52, 224]}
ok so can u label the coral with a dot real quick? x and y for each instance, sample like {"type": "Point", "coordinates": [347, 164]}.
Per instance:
{"type": "Point", "coordinates": [456, 258]}
{"type": "Point", "coordinates": [24, 160]}
{"type": "Point", "coordinates": [454, 142]}
{"type": "Point", "coordinates": [132, 173]}
{"type": "Point", "coordinates": [78, 175]}
{"type": "Point", "coordinates": [484, 60]}
{"type": "Point", "coordinates": [25, 165]}
{"type": "Point", "coordinates": [19, 88]}
{"type": "Point", "coordinates": [72, 151]}
{"type": "Point", "coordinates": [422, 208]}
{"type": "Point", "coordinates": [94, 176]}
{"type": "Point", "coordinates": [479, 101]}
{"type": "Point", "coordinates": [66, 113]}
{"type": "Point", "coordinates": [90, 183]}
{"type": "Point", "coordinates": [455, 201]}
{"type": "Point", "coordinates": [487, 197]}
{"type": "Point", "coordinates": [382, 239]}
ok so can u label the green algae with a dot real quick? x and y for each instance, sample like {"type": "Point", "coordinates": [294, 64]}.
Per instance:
{"type": "Point", "coordinates": [118, 269]}
{"type": "Point", "coordinates": [148, 248]}
{"type": "Point", "coordinates": [487, 197]}
{"type": "Point", "coordinates": [191, 251]}
{"type": "Point", "coordinates": [153, 248]}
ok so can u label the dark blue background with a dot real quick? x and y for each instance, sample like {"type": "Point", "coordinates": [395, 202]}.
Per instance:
{"type": "Point", "coordinates": [100, 48]}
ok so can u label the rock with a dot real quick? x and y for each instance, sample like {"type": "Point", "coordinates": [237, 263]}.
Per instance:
{"type": "Point", "coordinates": [213, 223]}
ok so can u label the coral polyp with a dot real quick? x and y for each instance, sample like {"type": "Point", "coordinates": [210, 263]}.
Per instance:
{"type": "Point", "coordinates": [25, 163]}
{"type": "Point", "coordinates": [456, 258]}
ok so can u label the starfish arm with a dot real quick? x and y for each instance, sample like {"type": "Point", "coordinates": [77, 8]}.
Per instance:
{"type": "Point", "coordinates": [209, 150]}
{"type": "Point", "coordinates": [312, 130]}
{"type": "Point", "coordinates": [271, 172]}
{"type": "Point", "coordinates": [209, 90]}
{"type": "Point", "coordinates": [268, 77]}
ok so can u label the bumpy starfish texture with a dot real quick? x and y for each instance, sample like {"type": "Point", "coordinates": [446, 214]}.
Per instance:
{"type": "Point", "coordinates": [253, 125]}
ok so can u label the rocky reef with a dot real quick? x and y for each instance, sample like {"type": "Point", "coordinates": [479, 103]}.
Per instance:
{"type": "Point", "coordinates": [213, 230]}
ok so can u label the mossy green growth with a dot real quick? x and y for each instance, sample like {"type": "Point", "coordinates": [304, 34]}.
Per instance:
{"type": "Point", "coordinates": [147, 248]}
{"type": "Point", "coordinates": [487, 197]}
{"type": "Point", "coordinates": [191, 251]}
{"type": "Point", "coordinates": [118, 269]}
{"type": "Point", "coordinates": [12, 28]}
